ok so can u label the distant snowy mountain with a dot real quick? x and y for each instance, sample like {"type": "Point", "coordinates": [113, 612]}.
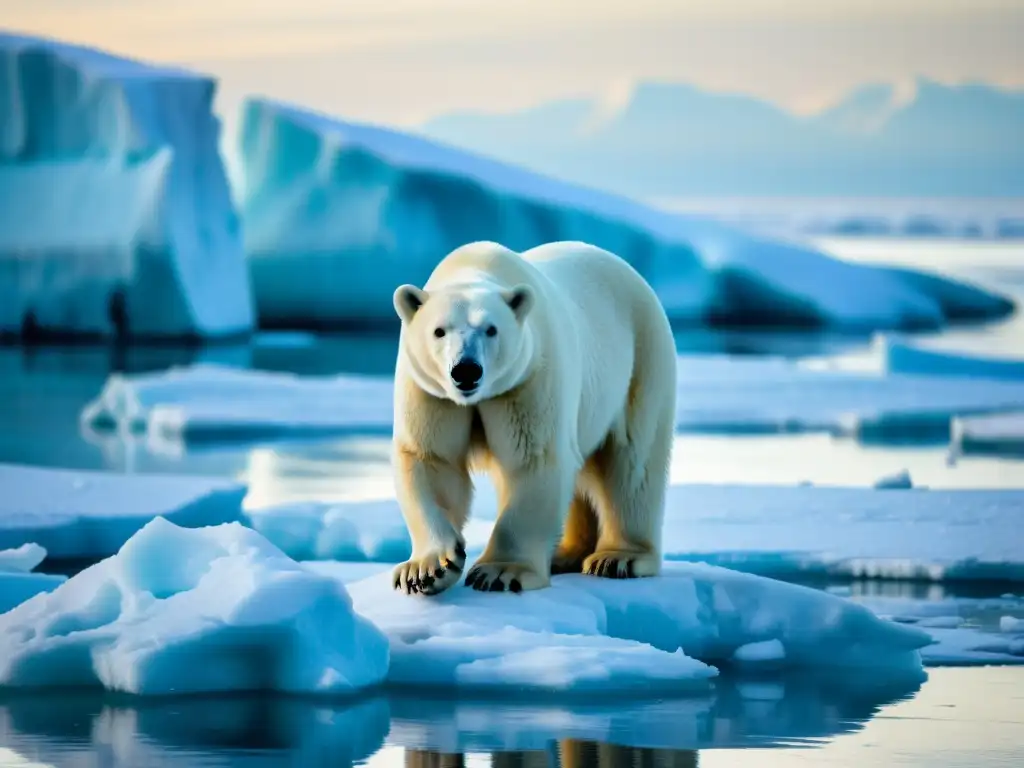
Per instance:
{"type": "Point", "coordinates": [927, 139]}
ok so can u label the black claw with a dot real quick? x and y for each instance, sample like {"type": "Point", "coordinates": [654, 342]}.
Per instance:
{"type": "Point", "coordinates": [630, 570]}
{"type": "Point", "coordinates": [452, 566]}
{"type": "Point", "coordinates": [460, 550]}
{"type": "Point", "coordinates": [482, 584]}
{"type": "Point", "coordinates": [606, 568]}
{"type": "Point", "coordinates": [439, 573]}
{"type": "Point", "coordinates": [496, 586]}
{"type": "Point", "coordinates": [590, 569]}
{"type": "Point", "coordinates": [398, 581]}
{"type": "Point", "coordinates": [515, 586]}
{"type": "Point", "coordinates": [472, 578]}
{"type": "Point", "coordinates": [427, 581]}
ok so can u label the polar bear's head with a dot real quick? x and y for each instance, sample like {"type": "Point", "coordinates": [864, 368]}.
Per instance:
{"type": "Point", "coordinates": [466, 343]}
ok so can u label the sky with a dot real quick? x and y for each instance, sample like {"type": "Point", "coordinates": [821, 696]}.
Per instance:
{"type": "Point", "coordinates": [404, 61]}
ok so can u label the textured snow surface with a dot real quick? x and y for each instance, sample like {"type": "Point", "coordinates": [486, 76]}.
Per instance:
{"type": "Point", "coordinates": [74, 514]}
{"type": "Point", "coordinates": [587, 633]}
{"type": "Point", "coordinates": [188, 610]}
{"type": "Point", "coordinates": [117, 218]}
{"type": "Point", "coordinates": [338, 213]}
{"type": "Point", "coordinates": [715, 394]}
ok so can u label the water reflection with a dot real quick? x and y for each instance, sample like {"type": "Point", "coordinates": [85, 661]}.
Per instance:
{"type": "Point", "coordinates": [65, 729]}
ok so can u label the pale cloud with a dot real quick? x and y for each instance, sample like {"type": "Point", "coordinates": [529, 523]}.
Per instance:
{"type": "Point", "coordinates": [403, 60]}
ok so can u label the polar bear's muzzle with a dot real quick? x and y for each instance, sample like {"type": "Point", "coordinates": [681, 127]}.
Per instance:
{"type": "Point", "coordinates": [466, 374]}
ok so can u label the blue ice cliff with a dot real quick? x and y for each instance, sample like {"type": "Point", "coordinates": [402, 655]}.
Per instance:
{"type": "Point", "coordinates": [116, 218]}
{"type": "Point", "coordinates": [338, 213]}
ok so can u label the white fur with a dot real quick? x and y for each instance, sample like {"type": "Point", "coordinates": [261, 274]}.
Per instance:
{"type": "Point", "coordinates": [573, 418]}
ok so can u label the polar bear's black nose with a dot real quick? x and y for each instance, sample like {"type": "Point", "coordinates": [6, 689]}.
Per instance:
{"type": "Point", "coordinates": [466, 374]}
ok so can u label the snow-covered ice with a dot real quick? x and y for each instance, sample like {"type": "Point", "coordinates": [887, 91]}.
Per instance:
{"type": "Point", "coordinates": [73, 514]}
{"type": "Point", "coordinates": [814, 532]}
{"type": "Point", "coordinates": [902, 356]}
{"type": "Point", "coordinates": [17, 582]}
{"type": "Point", "coordinates": [203, 403]}
{"type": "Point", "coordinates": [117, 217]}
{"type": "Point", "coordinates": [337, 213]}
{"type": "Point", "coordinates": [999, 434]}
{"type": "Point", "coordinates": [584, 633]}
{"type": "Point", "coordinates": [777, 531]}
{"type": "Point", "coordinates": [188, 610]}
{"type": "Point", "coordinates": [716, 393]}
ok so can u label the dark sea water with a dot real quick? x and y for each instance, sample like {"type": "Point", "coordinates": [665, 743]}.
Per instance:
{"type": "Point", "coordinates": [958, 717]}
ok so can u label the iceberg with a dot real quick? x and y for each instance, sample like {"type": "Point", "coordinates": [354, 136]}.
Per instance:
{"type": "Point", "coordinates": [1000, 434]}
{"type": "Point", "coordinates": [17, 582]}
{"type": "Point", "coordinates": [670, 632]}
{"type": "Point", "coordinates": [338, 213]}
{"type": "Point", "coordinates": [117, 219]}
{"type": "Point", "coordinates": [86, 515]}
{"type": "Point", "coordinates": [715, 394]}
{"type": "Point", "coordinates": [193, 610]}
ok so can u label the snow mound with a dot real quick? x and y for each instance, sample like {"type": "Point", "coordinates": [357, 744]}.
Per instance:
{"type": "Point", "coordinates": [585, 633]}
{"type": "Point", "coordinates": [75, 514]}
{"type": "Point", "coordinates": [715, 394]}
{"type": "Point", "coordinates": [189, 610]}
{"type": "Point", "coordinates": [904, 357]}
{"type": "Point", "coordinates": [17, 582]}
{"type": "Point", "coordinates": [897, 481]}
{"type": "Point", "coordinates": [338, 213]}
{"type": "Point", "coordinates": [814, 532]}
{"type": "Point", "coordinates": [999, 434]}
{"type": "Point", "coordinates": [117, 217]}
{"type": "Point", "coordinates": [210, 402]}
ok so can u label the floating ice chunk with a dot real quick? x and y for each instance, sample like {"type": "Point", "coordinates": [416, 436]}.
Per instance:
{"type": "Point", "coordinates": [998, 434]}
{"type": "Point", "coordinates": [21, 559]}
{"type": "Point", "coordinates": [795, 532]}
{"type": "Point", "coordinates": [900, 480]}
{"type": "Point", "coordinates": [915, 358]}
{"type": "Point", "coordinates": [715, 394]}
{"type": "Point", "coordinates": [186, 610]}
{"type": "Point", "coordinates": [74, 514]}
{"type": "Point", "coordinates": [964, 631]}
{"type": "Point", "coordinates": [117, 218]}
{"type": "Point", "coordinates": [324, 196]}
{"type": "Point", "coordinates": [210, 402]}
{"type": "Point", "coordinates": [468, 639]}
{"type": "Point", "coordinates": [17, 582]}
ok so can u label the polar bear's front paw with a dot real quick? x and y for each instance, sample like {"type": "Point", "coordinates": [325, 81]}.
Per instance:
{"type": "Point", "coordinates": [502, 577]}
{"type": "Point", "coordinates": [432, 573]}
{"type": "Point", "coordinates": [618, 564]}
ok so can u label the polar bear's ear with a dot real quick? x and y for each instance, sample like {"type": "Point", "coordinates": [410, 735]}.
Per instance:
{"type": "Point", "coordinates": [408, 299]}
{"type": "Point", "coordinates": [519, 300]}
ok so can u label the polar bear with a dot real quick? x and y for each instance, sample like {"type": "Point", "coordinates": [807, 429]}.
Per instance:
{"type": "Point", "coordinates": [554, 371]}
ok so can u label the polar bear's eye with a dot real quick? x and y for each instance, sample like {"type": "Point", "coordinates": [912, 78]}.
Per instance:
{"type": "Point", "coordinates": [439, 332]}
{"type": "Point", "coordinates": [491, 331]}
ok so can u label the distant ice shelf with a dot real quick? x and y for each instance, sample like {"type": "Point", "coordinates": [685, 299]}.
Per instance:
{"type": "Point", "coordinates": [338, 213]}
{"type": "Point", "coordinates": [117, 219]}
